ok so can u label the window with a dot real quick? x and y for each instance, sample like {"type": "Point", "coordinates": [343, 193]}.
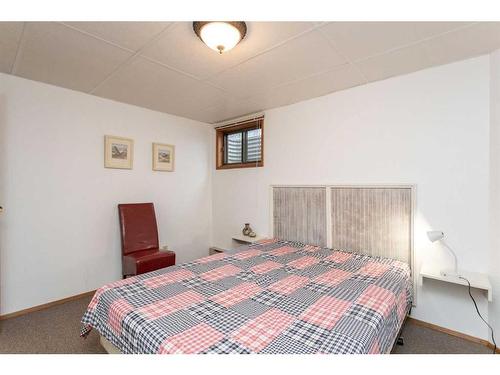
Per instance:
{"type": "Point", "coordinates": [240, 145]}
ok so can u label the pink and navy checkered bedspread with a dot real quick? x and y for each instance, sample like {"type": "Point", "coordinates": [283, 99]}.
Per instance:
{"type": "Point", "coordinates": [270, 297]}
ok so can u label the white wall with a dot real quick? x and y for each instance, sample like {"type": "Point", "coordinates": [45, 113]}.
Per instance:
{"type": "Point", "coordinates": [59, 234]}
{"type": "Point", "coordinates": [430, 128]}
{"type": "Point", "coordinates": [494, 308]}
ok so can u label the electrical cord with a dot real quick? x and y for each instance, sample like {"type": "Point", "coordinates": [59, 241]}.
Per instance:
{"type": "Point", "coordinates": [478, 313]}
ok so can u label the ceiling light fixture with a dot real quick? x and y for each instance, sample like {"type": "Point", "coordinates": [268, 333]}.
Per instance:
{"type": "Point", "coordinates": [220, 36]}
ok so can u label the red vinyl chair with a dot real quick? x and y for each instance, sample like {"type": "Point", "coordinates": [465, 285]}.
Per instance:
{"type": "Point", "coordinates": [140, 247]}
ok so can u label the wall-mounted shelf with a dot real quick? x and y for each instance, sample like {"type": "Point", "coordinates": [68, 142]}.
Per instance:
{"type": "Point", "coordinates": [477, 280]}
{"type": "Point", "coordinates": [241, 239]}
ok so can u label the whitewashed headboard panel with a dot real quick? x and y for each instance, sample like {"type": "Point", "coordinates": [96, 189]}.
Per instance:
{"type": "Point", "coordinates": [299, 214]}
{"type": "Point", "coordinates": [375, 220]}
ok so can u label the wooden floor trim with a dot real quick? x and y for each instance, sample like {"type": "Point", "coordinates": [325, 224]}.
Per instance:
{"type": "Point", "coordinates": [45, 305]}
{"type": "Point", "coordinates": [451, 332]}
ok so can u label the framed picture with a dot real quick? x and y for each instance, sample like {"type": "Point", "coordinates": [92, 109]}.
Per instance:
{"type": "Point", "coordinates": [163, 157]}
{"type": "Point", "coordinates": [118, 152]}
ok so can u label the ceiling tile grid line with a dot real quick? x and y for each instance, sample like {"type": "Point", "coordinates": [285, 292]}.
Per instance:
{"type": "Point", "coordinates": [138, 53]}
{"type": "Point", "coordinates": [332, 69]}
{"type": "Point", "coordinates": [317, 81]}
{"type": "Point", "coordinates": [298, 80]}
{"type": "Point", "coordinates": [169, 67]}
{"type": "Point", "coordinates": [174, 69]}
{"type": "Point", "coordinates": [20, 43]}
{"type": "Point", "coordinates": [307, 54]}
{"type": "Point", "coordinates": [360, 40]}
{"type": "Point", "coordinates": [95, 37]}
{"type": "Point", "coordinates": [249, 105]}
{"type": "Point", "coordinates": [331, 42]}
{"type": "Point", "coordinates": [145, 83]}
{"type": "Point", "coordinates": [58, 55]}
{"type": "Point", "coordinates": [264, 51]}
{"type": "Point", "coordinates": [252, 56]}
{"type": "Point", "coordinates": [129, 35]}
{"type": "Point", "coordinates": [228, 97]}
{"type": "Point", "coordinates": [130, 59]}
{"type": "Point", "coordinates": [206, 80]}
{"type": "Point", "coordinates": [414, 43]}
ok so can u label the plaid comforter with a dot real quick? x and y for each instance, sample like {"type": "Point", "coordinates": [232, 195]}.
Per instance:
{"type": "Point", "coordinates": [270, 297]}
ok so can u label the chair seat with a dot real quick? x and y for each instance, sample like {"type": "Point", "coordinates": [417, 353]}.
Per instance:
{"type": "Point", "coordinates": [146, 261]}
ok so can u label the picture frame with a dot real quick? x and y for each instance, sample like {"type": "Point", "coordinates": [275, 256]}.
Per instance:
{"type": "Point", "coordinates": [118, 152]}
{"type": "Point", "coordinates": [163, 157]}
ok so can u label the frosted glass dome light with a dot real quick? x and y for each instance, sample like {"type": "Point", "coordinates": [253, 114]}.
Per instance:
{"type": "Point", "coordinates": [220, 36]}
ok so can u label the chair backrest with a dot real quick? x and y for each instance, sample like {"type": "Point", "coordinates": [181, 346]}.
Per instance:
{"type": "Point", "coordinates": [138, 227]}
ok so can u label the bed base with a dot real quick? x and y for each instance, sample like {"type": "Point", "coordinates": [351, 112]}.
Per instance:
{"type": "Point", "coordinates": [109, 347]}
{"type": "Point", "coordinates": [399, 338]}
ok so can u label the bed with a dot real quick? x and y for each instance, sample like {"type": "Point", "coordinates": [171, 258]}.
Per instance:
{"type": "Point", "coordinates": [294, 296]}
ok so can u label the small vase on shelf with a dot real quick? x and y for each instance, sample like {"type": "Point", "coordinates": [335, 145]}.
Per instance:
{"type": "Point", "coordinates": [247, 230]}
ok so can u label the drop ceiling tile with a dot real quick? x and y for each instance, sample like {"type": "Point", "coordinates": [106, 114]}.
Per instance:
{"type": "Point", "coordinates": [10, 33]}
{"type": "Point", "coordinates": [468, 42]}
{"type": "Point", "coordinates": [150, 85]}
{"type": "Point", "coordinates": [398, 62]}
{"type": "Point", "coordinates": [131, 35]}
{"type": "Point", "coordinates": [359, 40]}
{"type": "Point", "coordinates": [180, 48]}
{"type": "Point", "coordinates": [337, 79]}
{"type": "Point", "coordinates": [55, 54]}
{"type": "Point", "coordinates": [429, 29]}
{"type": "Point", "coordinates": [306, 55]}
{"type": "Point", "coordinates": [229, 108]}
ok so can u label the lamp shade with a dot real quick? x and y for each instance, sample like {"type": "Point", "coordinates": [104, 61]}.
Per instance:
{"type": "Point", "coordinates": [435, 235]}
{"type": "Point", "coordinates": [220, 36]}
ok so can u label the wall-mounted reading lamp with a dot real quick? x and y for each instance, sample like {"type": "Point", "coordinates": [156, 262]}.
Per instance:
{"type": "Point", "coordinates": [437, 235]}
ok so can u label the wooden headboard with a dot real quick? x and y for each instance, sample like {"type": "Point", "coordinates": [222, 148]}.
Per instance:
{"type": "Point", "coordinates": [372, 220]}
{"type": "Point", "coordinates": [299, 214]}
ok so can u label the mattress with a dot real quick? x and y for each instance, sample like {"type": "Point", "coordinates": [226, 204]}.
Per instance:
{"type": "Point", "coordinates": [270, 297]}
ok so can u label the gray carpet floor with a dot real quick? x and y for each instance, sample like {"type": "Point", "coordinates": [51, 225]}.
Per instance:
{"type": "Point", "coordinates": [56, 330]}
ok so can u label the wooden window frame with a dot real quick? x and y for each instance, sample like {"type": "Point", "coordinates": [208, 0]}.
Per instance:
{"type": "Point", "coordinates": [232, 128]}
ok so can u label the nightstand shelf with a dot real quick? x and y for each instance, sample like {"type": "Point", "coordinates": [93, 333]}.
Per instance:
{"type": "Point", "coordinates": [242, 240]}
{"type": "Point", "coordinates": [477, 280]}
{"type": "Point", "coordinates": [238, 241]}
{"type": "Point", "coordinates": [216, 250]}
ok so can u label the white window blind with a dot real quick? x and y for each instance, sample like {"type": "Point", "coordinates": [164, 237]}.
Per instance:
{"type": "Point", "coordinates": [254, 144]}
{"type": "Point", "coordinates": [244, 146]}
{"type": "Point", "coordinates": [234, 146]}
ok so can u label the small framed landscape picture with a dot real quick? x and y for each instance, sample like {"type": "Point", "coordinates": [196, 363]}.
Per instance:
{"type": "Point", "coordinates": [163, 157]}
{"type": "Point", "coordinates": [118, 152]}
